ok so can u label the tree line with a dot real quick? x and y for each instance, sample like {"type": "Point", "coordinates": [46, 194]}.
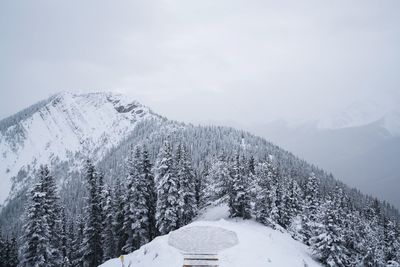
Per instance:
{"type": "Point", "coordinates": [338, 233]}
{"type": "Point", "coordinates": [116, 220]}
{"type": "Point", "coordinates": [154, 198]}
{"type": "Point", "coordinates": [8, 251]}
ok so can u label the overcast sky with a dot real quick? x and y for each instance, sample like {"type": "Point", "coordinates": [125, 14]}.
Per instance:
{"type": "Point", "coordinates": [242, 61]}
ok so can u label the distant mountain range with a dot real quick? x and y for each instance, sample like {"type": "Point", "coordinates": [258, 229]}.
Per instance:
{"type": "Point", "coordinates": [66, 129]}
{"type": "Point", "coordinates": [360, 146]}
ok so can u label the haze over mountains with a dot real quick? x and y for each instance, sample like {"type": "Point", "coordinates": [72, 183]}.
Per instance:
{"type": "Point", "coordinates": [360, 145]}
{"type": "Point", "coordinates": [128, 144]}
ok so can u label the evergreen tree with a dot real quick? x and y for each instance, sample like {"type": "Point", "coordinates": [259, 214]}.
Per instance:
{"type": "Point", "coordinates": [77, 251]}
{"type": "Point", "coordinates": [70, 237]}
{"type": "Point", "coordinates": [265, 209]}
{"type": "Point", "coordinates": [92, 249]}
{"type": "Point", "coordinates": [140, 208]}
{"type": "Point", "coordinates": [8, 251]}
{"type": "Point", "coordinates": [167, 191]}
{"type": "Point", "coordinates": [328, 244]}
{"type": "Point", "coordinates": [107, 235]}
{"type": "Point", "coordinates": [131, 202]}
{"type": "Point", "coordinates": [251, 165]}
{"type": "Point", "coordinates": [65, 245]}
{"type": "Point", "coordinates": [373, 243]}
{"type": "Point", "coordinates": [151, 197]}
{"type": "Point", "coordinates": [217, 180]}
{"type": "Point", "coordinates": [120, 236]}
{"type": "Point", "coordinates": [188, 208]}
{"type": "Point", "coordinates": [391, 241]}
{"type": "Point", "coordinates": [283, 203]}
{"type": "Point", "coordinates": [310, 208]}
{"type": "Point", "coordinates": [37, 247]}
{"type": "Point", "coordinates": [53, 210]}
{"type": "Point", "coordinates": [239, 201]}
{"type": "Point", "coordinates": [2, 249]}
{"type": "Point", "coordinates": [11, 253]}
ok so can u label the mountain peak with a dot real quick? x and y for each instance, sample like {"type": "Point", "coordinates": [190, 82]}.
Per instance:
{"type": "Point", "coordinates": [121, 102]}
{"type": "Point", "coordinates": [64, 126]}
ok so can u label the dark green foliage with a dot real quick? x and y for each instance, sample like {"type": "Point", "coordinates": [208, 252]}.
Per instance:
{"type": "Point", "coordinates": [92, 246]}
{"type": "Point", "coordinates": [239, 200]}
{"type": "Point", "coordinates": [167, 187]}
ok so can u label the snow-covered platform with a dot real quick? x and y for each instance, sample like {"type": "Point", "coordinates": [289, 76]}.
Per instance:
{"type": "Point", "coordinates": [202, 239]}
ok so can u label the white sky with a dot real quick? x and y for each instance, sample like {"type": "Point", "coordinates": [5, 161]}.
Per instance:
{"type": "Point", "coordinates": [220, 60]}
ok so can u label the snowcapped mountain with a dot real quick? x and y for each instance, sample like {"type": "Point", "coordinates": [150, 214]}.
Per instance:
{"type": "Point", "coordinates": [359, 145]}
{"type": "Point", "coordinates": [255, 245]}
{"type": "Point", "coordinates": [365, 112]}
{"type": "Point", "coordinates": [64, 128]}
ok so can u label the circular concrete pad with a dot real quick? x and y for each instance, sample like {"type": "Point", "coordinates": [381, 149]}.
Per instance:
{"type": "Point", "coordinates": [202, 239]}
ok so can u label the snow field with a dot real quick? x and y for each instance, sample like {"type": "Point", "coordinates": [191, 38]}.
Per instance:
{"type": "Point", "coordinates": [256, 245]}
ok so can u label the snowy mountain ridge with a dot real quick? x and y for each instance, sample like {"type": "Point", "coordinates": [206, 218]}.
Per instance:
{"type": "Point", "coordinates": [118, 134]}
{"type": "Point", "coordinates": [363, 113]}
{"type": "Point", "coordinates": [62, 127]}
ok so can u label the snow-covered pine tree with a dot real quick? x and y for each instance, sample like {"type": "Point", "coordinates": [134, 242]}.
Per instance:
{"type": "Point", "coordinates": [201, 183]}
{"type": "Point", "coordinates": [118, 207]}
{"type": "Point", "coordinates": [151, 197]}
{"type": "Point", "coordinates": [92, 249]}
{"type": "Point", "coordinates": [65, 245]}
{"type": "Point", "coordinates": [37, 247]}
{"type": "Point", "coordinates": [76, 257]}
{"type": "Point", "coordinates": [391, 241]}
{"type": "Point", "coordinates": [310, 207]}
{"type": "Point", "coordinates": [261, 193]}
{"type": "Point", "coordinates": [188, 209]}
{"type": "Point", "coordinates": [107, 219]}
{"type": "Point", "coordinates": [251, 165]}
{"type": "Point", "coordinates": [294, 196]}
{"type": "Point", "coordinates": [53, 210]}
{"type": "Point", "coordinates": [130, 224]}
{"type": "Point", "coordinates": [283, 203]}
{"type": "Point", "coordinates": [354, 237]}
{"type": "Point", "coordinates": [328, 243]}
{"type": "Point", "coordinates": [373, 243]}
{"type": "Point", "coordinates": [141, 227]}
{"type": "Point", "coordinates": [167, 191]}
{"type": "Point", "coordinates": [265, 208]}
{"type": "Point", "coordinates": [70, 234]}
{"type": "Point", "coordinates": [10, 253]}
{"type": "Point", "coordinates": [239, 201]}
{"type": "Point", "coordinates": [101, 194]}
{"type": "Point", "coordinates": [140, 210]}
{"type": "Point", "coordinates": [2, 249]}
{"type": "Point", "coordinates": [107, 235]}
{"type": "Point", "coordinates": [217, 180]}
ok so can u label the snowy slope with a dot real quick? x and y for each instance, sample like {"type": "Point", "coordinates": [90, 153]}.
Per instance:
{"type": "Point", "coordinates": [257, 245]}
{"type": "Point", "coordinates": [66, 126]}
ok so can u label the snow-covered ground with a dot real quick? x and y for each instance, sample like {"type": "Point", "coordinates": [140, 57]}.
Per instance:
{"type": "Point", "coordinates": [256, 245]}
{"type": "Point", "coordinates": [202, 239]}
